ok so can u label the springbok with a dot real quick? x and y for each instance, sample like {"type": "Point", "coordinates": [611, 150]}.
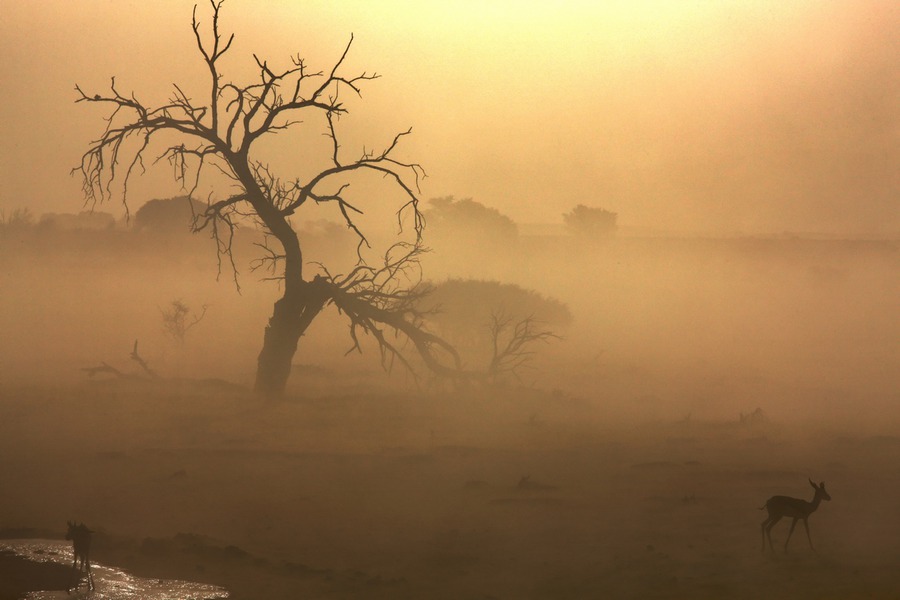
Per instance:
{"type": "Point", "coordinates": [81, 548]}
{"type": "Point", "coordinates": [784, 506]}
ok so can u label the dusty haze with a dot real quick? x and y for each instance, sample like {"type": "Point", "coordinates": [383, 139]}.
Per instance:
{"type": "Point", "coordinates": [737, 336]}
{"type": "Point", "coordinates": [754, 117]}
{"type": "Point", "coordinates": [698, 378]}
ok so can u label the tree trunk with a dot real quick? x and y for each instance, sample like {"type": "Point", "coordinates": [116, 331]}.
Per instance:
{"type": "Point", "coordinates": [293, 314]}
{"type": "Point", "coordinates": [279, 345]}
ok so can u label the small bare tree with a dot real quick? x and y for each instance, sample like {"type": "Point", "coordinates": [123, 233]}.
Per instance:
{"type": "Point", "coordinates": [512, 343]}
{"type": "Point", "coordinates": [178, 320]}
{"type": "Point", "coordinates": [220, 133]}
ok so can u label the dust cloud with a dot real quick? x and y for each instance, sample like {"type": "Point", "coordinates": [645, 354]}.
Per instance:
{"type": "Point", "coordinates": [735, 342]}
{"type": "Point", "coordinates": [698, 377]}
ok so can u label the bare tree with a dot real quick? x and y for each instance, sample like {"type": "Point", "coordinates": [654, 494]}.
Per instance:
{"type": "Point", "coordinates": [220, 134]}
{"type": "Point", "coordinates": [512, 343]}
{"type": "Point", "coordinates": [178, 320]}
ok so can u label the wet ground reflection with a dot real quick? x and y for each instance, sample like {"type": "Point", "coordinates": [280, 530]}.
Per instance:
{"type": "Point", "coordinates": [110, 583]}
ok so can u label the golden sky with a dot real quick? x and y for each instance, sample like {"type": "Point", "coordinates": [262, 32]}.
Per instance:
{"type": "Point", "coordinates": [683, 116]}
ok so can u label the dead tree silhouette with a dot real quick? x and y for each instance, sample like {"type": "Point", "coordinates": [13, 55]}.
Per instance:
{"type": "Point", "coordinates": [218, 132]}
{"type": "Point", "coordinates": [785, 506]}
{"type": "Point", "coordinates": [81, 548]}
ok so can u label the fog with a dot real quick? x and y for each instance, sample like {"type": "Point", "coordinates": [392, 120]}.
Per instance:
{"type": "Point", "coordinates": [732, 338]}
{"type": "Point", "coordinates": [803, 327]}
{"type": "Point", "coordinates": [708, 118]}
{"type": "Point", "coordinates": [697, 378]}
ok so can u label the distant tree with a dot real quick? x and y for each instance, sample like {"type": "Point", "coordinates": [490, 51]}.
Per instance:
{"type": "Point", "coordinates": [179, 318]}
{"type": "Point", "coordinates": [324, 229]}
{"type": "Point", "coordinates": [328, 242]}
{"type": "Point", "coordinates": [169, 216]}
{"type": "Point", "coordinates": [590, 222]}
{"type": "Point", "coordinates": [495, 323]}
{"type": "Point", "coordinates": [460, 304]}
{"type": "Point", "coordinates": [512, 343]}
{"type": "Point", "coordinates": [20, 219]}
{"type": "Point", "coordinates": [467, 219]}
{"type": "Point", "coordinates": [86, 220]}
{"type": "Point", "coordinates": [218, 131]}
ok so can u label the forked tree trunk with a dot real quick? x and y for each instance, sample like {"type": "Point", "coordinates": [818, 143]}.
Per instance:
{"type": "Point", "coordinates": [293, 314]}
{"type": "Point", "coordinates": [296, 309]}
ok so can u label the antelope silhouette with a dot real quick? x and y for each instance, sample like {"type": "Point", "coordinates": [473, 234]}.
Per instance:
{"type": "Point", "coordinates": [785, 506]}
{"type": "Point", "coordinates": [81, 548]}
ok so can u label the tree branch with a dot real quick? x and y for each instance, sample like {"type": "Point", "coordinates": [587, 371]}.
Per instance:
{"type": "Point", "coordinates": [515, 352]}
{"type": "Point", "coordinates": [386, 297]}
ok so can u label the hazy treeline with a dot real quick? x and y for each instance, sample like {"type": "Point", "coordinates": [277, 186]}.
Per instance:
{"type": "Point", "coordinates": [794, 325]}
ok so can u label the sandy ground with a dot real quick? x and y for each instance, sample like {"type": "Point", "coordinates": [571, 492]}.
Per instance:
{"type": "Point", "coordinates": [423, 496]}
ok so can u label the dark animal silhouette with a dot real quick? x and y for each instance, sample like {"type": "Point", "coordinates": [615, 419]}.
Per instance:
{"type": "Point", "coordinates": [81, 547]}
{"type": "Point", "coordinates": [785, 506]}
